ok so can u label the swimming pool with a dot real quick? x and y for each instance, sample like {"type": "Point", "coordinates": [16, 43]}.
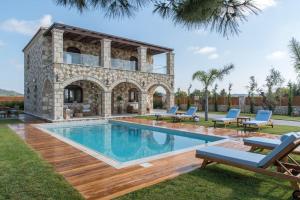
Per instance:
{"type": "Point", "coordinates": [121, 144]}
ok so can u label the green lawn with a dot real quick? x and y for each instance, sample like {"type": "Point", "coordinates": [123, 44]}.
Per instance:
{"type": "Point", "coordinates": [216, 182]}
{"type": "Point", "coordinates": [278, 129]}
{"type": "Point", "coordinates": [23, 174]}
{"type": "Point", "coordinates": [277, 117]}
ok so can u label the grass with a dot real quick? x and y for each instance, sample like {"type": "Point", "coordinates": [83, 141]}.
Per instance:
{"type": "Point", "coordinates": [24, 175]}
{"type": "Point", "coordinates": [216, 182]}
{"type": "Point", "coordinates": [276, 117]}
{"type": "Point", "coordinates": [278, 129]}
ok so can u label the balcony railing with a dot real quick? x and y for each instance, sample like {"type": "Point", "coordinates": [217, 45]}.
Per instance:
{"type": "Point", "coordinates": [123, 64]}
{"type": "Point", "coordinates": [156, 69]}
{"type": "Point", "coordinates": [81, 59]}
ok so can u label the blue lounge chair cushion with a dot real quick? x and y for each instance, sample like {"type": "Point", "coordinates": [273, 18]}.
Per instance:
{"type": "Point", "coordinates": [173, 110]}
{"type": "Point", "coordinates": [265, 142]}
{"type": "Point", "coordinates": [263, 115]}
{"type": "Point", "coordinates": [231, 155]}
{"type": "Point", "coordinates": [284, 144]}
{"type": "Point", "coordinates": [191, 111]}
{"type": "Point", "coordinates": [233, 113]}
{"type": "Point", "coordinates": [283, 137]}
{"type": "Point", "coordinates": [224, 119]}
{"type": "Point", "coordinates": [255, 122]}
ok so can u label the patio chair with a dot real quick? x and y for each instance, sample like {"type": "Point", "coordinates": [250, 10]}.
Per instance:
{"type": "Point", "coordinates": [229, 118]}
{"type": "Point", "coordinates": [189, 114]}
{"type": "Point", "coordinates": [287, 167]}
{"type": "Point", "coordinates": [262, 118]}
{"type": "Point", "coordinates": [3, 114]}
{"type": "Point", "coordinates": [86, 109]}
{"type": "Point", "coordinates": [266, 143]}
{"type": "Point", "coordinates": [171, 112]}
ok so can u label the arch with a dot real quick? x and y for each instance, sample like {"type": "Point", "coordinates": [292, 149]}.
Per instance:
{"type": "Point", "coordinates": [162, 84]}
{"type": "Point", "coordinates": [47, 99]}
{"type": "Point", "coordinates": [88, 78]}
{"type": "Point", "coordinates": [73, 50]}
{"type": "Point", "coordinates": [126, 81]}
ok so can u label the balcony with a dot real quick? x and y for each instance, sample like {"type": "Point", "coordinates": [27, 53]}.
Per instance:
{"type": "Point", "coordinates": [123, 64]}
{"type": "Point", "coordinates": [81, 59]}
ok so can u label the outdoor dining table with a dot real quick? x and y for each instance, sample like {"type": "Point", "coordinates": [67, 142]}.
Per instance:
{"type": "Point", "coordinates": [241, 119]}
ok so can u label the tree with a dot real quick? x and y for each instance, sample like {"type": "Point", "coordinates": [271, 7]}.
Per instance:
{"type": "Point", "coordinates": [290, 98]}
{"type": "Point", "coordinates": [223, 93]}
{"type": "Point", "coordinates": [189, 96]}
{"type": "Point", "coordinates": [229, 96]}
{"type": "Point", "coordinates": [222, 16]}
{"type": "Point", "coordinates": [215, 97]}
{"type": "Point", "coordinates": [273, 80]}
{"type": "Point", "coordinates": [208, 78]}
{"type": "Point", "coordinates": [179, 95]}
{"type": "Point", "coordinates": [295, 53]}
{"type": "Point", "coordinates": [252, 87]}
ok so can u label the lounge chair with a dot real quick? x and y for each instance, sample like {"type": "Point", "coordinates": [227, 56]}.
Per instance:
{"type": "Point", "coordinates": [262, 118]}
{"type": "Point", "coordinates": [189, 114]}
{"type": "Point", "coordinates": [287, 167]}
{"type": "Point", "coordinates": [229, 118]}
{"type": "Point", "coordinates": [86, 109]}
{"type": "Point", "coordinates": [171, 112]}
{"type": "Point", "coordinates": [266, 143]}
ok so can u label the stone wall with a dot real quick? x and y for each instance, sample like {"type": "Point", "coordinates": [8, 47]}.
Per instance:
{"type": "Point", "coordinates": [36, 73]}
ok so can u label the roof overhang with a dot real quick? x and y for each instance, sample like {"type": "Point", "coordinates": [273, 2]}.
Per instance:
{"type": "Point", "coordinates": [88, 36]}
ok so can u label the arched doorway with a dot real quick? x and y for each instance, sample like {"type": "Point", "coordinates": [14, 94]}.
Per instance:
{"type": "Point", "coordinates": [83, 98]}
{"type": "Point", "coordinates": [126, 97]}
{"type": "Point", "coordinates": [47, 100]}
{"type": "Point", "coordinates": [159, 97]}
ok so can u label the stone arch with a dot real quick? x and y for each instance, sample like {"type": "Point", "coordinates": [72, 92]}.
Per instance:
{"type": "Point", "coordinates": [167, 100]}
{"type": "Point", "coordinates": [120, 93]}
{"type": "Point", "coordinates": [81, 78]}
{"type": "Point", "coordinates": [47, 99]}
{"type": "Point", "coordinates": [126, 81]}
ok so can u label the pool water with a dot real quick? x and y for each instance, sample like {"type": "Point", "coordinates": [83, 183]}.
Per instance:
{"type": "Point", "coordinates": [125, 142]}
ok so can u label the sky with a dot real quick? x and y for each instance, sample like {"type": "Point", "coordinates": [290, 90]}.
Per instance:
{"type": "Point", "coordinates": [261, 45]}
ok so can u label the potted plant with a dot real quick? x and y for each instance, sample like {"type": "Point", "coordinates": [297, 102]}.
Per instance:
{"type": "Point", "coordinates": [119, 101]}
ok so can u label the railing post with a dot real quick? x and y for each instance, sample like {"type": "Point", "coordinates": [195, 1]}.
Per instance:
{"type": "Point", "coordinates": [105, 53]}
{"type": "Point", "coordinates": [170, 63]}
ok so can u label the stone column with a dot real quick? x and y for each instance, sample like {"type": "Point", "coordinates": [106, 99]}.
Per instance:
{"type": "Point", "coordinates": [106, 104]}
{"type": "Point", "coordinates": [170, 63]}
{"type": "Point", "coordinates": [142, 58]}
{"type": "Point", "coordinates": [58, 104]}
{"type": "Point", "coordinates": [105, 53]}
{"type": "Point", "coordinates": [57, 46]}
{"type": "Point", "coordinates": [170, 100]}
{"type": "Point", "coordinates": [143, 103]}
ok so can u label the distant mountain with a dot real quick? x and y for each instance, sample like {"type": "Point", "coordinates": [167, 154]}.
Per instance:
{"type": "Point", "coordinates": [9, 93]}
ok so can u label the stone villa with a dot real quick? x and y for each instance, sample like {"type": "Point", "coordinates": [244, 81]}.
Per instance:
{"type": "Point", "coordinates": [74, 72]}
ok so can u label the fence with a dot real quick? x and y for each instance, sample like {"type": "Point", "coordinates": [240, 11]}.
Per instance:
{"type": "Point", "coordinates": [12, 101]}
{"type": "Point", "coordinates": [240, 102]}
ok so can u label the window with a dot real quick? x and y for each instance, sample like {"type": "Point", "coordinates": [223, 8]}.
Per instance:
{"type": "Point", "coordinates": [73, 93]}
{"type": "Point", "coordinates": [133, 95]}
{"type": "Point", "coordinates": [135, 62]}
{"type": "Point", "coordinates": [28, 61]}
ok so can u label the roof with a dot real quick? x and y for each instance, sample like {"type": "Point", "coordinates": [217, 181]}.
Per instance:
{"type": "Point", "coordinates": [85, 35]}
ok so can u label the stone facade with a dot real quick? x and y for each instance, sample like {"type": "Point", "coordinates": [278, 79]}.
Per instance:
{"type": "Point", "coordinates": [46, 76]}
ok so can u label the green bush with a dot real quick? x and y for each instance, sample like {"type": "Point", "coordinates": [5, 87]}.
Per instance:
{"type": "Point", "coordinates": [13, 104]}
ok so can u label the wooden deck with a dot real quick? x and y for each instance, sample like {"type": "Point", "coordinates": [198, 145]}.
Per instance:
{"type": "Point", "coordinates": [95, 179]}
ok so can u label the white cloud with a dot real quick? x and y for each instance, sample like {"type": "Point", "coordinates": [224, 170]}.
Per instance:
{"type": "Point", "coordinates": [25, 27]}
{"type": "Point", "coordinates": [277, 55]}
{"type": "Point", "coordinates": [210, 52]}
{"type": "Point", "coordinates": [204, 50]}
{"type": "Point", "coordinates": [213, 56]}
{"type": "Point", "coordinates": [263, 4]}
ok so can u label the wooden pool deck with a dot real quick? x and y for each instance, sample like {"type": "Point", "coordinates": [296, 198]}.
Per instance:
{"type": "Point", "coordinates": [95, 179]}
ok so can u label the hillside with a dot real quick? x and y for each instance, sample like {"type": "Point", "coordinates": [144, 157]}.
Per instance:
{"type": "Point", "coordinates": [9, 93]}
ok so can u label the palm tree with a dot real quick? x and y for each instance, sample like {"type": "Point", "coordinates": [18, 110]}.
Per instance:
{"type": "Point", "coordinates": [295, 51]}
{"type": "Point", "coordinates": [222, 16]}
{"type": "Point", "coordinates": [208, 79]}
